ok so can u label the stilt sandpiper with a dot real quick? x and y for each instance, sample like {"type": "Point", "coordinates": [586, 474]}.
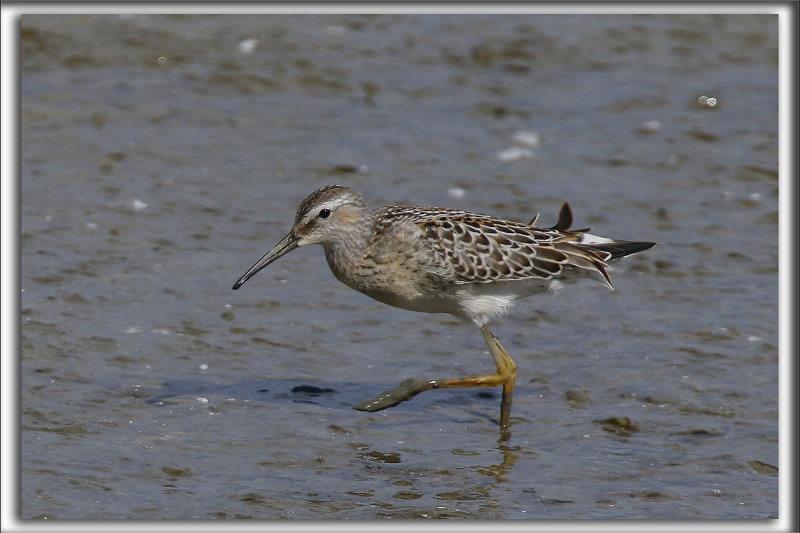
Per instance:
{"type": "Point", "coordinates": [445, 261]}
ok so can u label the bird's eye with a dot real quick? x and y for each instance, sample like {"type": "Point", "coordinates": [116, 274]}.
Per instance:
{"type": "Point", "coordinates": [325, 213]}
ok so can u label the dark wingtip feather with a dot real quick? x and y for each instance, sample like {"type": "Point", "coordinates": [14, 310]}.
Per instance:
{"type": "Point", "coordinates": [564, 218]}
{"type": "Point", "coordinates": [602, 269]}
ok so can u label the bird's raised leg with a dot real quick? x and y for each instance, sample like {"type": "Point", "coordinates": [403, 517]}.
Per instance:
{"type": "Point", "coordinates": [506, 375]}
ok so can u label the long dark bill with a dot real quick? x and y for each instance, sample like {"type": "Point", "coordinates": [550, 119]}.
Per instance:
{"type": "Point", "coordinates": [286, 245]}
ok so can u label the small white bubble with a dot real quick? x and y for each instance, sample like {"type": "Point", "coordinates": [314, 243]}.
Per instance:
{"type": "Point", "coordinates": [514, 153]}
{"type": "Point", "coordinates": [706, 101]}
{"type": "Point", "coordinates": [203, 366]}
{"type": "Point", "coordinates": [651, 126]}
{"type": "Point", "coordinates": [527, 138]}
{"type": "Point", "coordinates": [137, 205]}
{"type": "Point", "coordinates": [202, 400]}
{"type": "Point", "coordinates": [456, 192]}
{"type": "Point", "coordinates": [248, 46]}
{"type": "Point", "coordinates": [336, 31]}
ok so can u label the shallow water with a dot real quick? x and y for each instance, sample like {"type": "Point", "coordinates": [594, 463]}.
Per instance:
{"type": "Point", "coordinates": [163, 155]}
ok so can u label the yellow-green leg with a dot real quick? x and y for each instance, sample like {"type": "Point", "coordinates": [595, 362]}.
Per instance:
{"type": "Point", "coordinates": [506, 375]}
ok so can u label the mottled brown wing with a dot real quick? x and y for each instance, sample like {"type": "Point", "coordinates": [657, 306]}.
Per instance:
{"type": "Point", "coordinates": [485, 249]}
{"type": "Point", "coordinates": [482, 249]}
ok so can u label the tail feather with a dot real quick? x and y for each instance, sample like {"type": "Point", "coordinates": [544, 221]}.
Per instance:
{"type": "Point", "coordinates": [619, 249]}
{"type": "Point", "coordinates": [585, 251]}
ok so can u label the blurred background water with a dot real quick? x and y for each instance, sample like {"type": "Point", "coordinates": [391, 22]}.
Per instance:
{"type": "Point", "coordinates": [162, 155]}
